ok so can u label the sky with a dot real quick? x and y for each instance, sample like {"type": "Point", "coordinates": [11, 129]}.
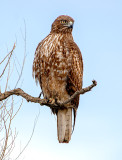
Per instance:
{"type": "Point", "coordinates": [98, 33]}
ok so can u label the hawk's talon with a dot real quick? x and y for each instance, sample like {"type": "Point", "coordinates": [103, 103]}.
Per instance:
{"type": "Point", "coordinates": [51, 100]}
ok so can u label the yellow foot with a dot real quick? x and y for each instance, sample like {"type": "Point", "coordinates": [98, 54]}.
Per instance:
{"type": "Point", "coordinates": [51, 100]}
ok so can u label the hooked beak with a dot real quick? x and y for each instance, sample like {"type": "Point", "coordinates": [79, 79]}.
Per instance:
{"type": "Point", "coordinates": [70, 24]}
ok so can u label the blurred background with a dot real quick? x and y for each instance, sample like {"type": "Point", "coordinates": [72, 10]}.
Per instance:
{"type": "Point", "coordinates": [98, 33]}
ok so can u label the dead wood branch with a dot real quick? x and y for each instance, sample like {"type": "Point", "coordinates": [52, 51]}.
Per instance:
{"type": "Point", "coordinates": [29, 98]}
{"type": "Point", "coordinates": [9, 54]}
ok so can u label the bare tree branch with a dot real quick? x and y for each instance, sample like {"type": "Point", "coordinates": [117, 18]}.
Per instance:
{"type": "Point", "coordinates": [82, 91]}
{"type": "Point", "coordinates": [10, 53]}
{"type": "Point", "coordinates": [35, 122]}
{"type": "Point", "coordinates": [29, 98]}
{"type": "Point", "coordinates": [22, 68]}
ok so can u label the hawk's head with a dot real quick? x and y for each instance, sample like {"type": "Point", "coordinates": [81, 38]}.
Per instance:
{"type": "Point", "coordinates": [63, 24]}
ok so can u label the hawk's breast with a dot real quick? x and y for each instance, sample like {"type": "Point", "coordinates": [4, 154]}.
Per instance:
{"type": "Point", "coordinates": [52, 57]}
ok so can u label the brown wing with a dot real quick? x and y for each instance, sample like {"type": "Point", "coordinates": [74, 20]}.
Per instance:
{"type": "Point", "coordinates": [36, 64]}
{"type": "Point", "coordinates": [75, 76]}
{"type": "Point", "coordinates": [40, 62]}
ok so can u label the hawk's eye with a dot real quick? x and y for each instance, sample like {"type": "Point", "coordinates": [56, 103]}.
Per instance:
{"type": "Point", "coordinates": [63, 21]}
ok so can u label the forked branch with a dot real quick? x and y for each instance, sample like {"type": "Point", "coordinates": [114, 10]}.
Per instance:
{"type": "Point", "coordinates": [9, 54]}
{"type": "Point", "coordinates": [29, 98]}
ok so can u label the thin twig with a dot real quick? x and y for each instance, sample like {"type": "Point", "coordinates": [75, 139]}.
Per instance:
{"type": "Point", "coordinates": [7, 77]}
{"type": "Point", "coordinates": [5, 57]}
{"type": "Point", "coordinates": [17, 110]}
{"type": "Point", "coordinates": [8, 60]}
{"type": "Point", "coordinates": [20, 75]}
{"type": "Point", "coordinates": [35, 122]}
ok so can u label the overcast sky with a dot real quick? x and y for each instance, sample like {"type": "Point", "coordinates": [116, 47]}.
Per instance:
{"type": "Point", "coordinates": [98, 33]}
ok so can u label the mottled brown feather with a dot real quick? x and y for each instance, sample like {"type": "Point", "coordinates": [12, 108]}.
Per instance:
{"type": "Point", "coordinates": [58, 64]}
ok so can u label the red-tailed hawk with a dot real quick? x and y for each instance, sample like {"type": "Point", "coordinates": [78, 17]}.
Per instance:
{"type": "Point", "coordinates": [58, 67]}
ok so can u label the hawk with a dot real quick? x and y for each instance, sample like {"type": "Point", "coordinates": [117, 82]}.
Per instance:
{"type": "Point", "coordinates": [58, 67]}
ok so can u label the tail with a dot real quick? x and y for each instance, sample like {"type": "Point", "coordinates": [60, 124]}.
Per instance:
{"type": "Point", "coordinates": [64, 125]}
